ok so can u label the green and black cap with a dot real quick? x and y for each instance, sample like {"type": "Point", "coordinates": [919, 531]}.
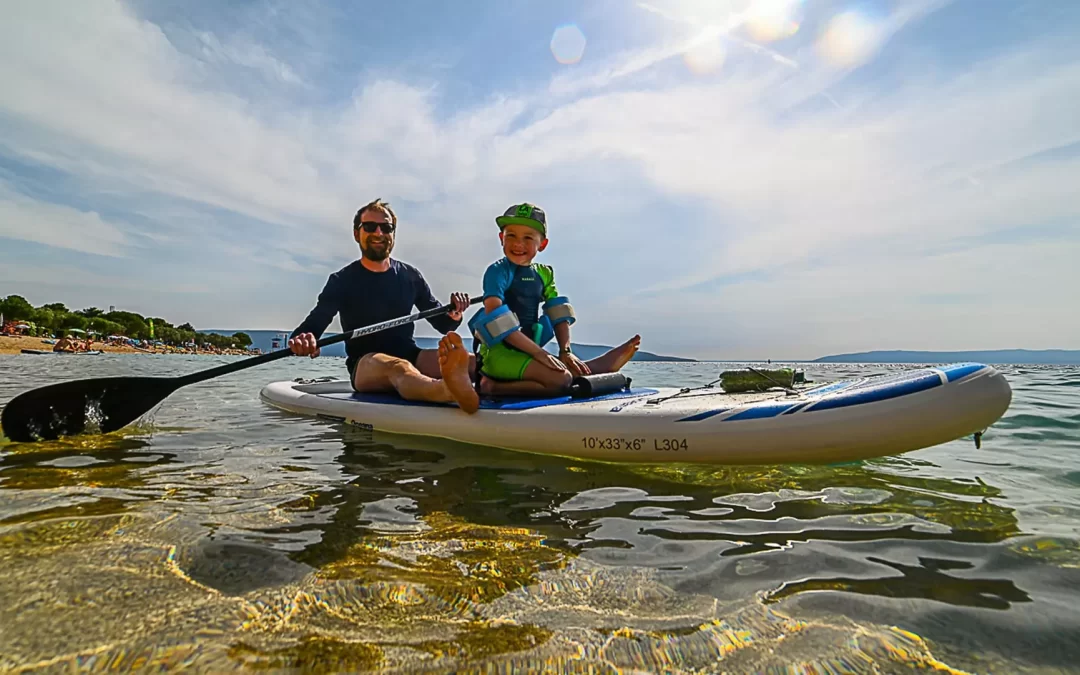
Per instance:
{"type": "Point", "coordinates": [528, 215]}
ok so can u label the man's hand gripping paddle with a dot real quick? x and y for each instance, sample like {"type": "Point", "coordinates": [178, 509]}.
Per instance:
{"type": "Point", "coordinates": [105, 404]}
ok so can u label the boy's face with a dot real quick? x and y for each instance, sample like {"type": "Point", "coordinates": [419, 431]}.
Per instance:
{"type": "Point", "coordinates": [521, 243]}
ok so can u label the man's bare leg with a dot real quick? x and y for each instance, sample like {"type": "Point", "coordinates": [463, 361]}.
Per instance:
{"type": "Point", "coordinates": [381, 373]}
{"type": "Point", "coordinates": [454, 368]}
{"type": "Point", "coordinates": [427, 362]}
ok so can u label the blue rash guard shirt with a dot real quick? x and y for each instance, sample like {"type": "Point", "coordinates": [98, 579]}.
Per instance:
{"type": "Point", "coordinates": [522, 289]}
{"type": "Point", "coordinates": [363, 297]}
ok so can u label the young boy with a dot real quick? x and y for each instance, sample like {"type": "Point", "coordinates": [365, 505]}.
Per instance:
{"type": "Point", "coordinates": [523, 311]}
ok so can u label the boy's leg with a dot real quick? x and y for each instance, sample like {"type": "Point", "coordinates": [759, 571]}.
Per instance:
{"type": "Point", "coordinates": [381, 373]}
{"type": "Point", "coordinates": [515, 373]}
{"type": "Point", "coordinates": [615, 358]}
{"type": "Point", "coordinates": [537, 380]}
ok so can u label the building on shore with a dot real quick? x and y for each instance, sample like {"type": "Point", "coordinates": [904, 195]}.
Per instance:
{"type": "Point", "coordinates": [279, 341]}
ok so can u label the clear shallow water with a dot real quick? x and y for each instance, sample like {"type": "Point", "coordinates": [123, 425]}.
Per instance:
{"type": "Point", "coordinates": [223, 534]}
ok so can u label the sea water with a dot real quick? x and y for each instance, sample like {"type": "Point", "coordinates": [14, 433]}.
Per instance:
{"type": "Point", "coordinates": [221, 534]}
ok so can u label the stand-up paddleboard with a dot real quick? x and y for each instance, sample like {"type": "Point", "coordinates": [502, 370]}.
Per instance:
{"type": "Point", "coordinates": [840, 421]}
{"type": "Point", "coordinates": [49, 351]}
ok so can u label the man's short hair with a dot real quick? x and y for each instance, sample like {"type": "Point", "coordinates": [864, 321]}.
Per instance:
{"type": "Point", "coordinates": [378, 205]}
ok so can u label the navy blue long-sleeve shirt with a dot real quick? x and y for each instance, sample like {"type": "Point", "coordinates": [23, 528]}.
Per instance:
{"type": "Point", "coordinates": [363, 297]}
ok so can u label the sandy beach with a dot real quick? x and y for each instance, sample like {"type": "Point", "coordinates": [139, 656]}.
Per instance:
{"type": "Point", "coordinates": [10, 344]}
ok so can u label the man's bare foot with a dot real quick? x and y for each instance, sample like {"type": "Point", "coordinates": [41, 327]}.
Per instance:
{"type": "Point", "coordinates": [454, 367]}
{"type": "Point", "coordinates": [615, 358]}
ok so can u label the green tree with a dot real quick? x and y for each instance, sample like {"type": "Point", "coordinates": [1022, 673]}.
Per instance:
{"type": "Point", "coordinates": [73, 321]}
{"type": "Point", "coordinates": [170, 335]}
{"type": "Point", "coordinates": [242, 340]}
{"type": "Point", "coordinates": [217, 340]}
{"type": "Point", "coordinates": [90, 312]}
{"type": "Point", "coordinates": [58, 307]}
{"type": "Point", "coordinates": [186, 327]}
{"type": "Point", "coordinates": [16, 308]}
{"type": "Point", "coordinates": [105, 327]}
{"type": "Point", "coordinates": [45, 319]}
{"type": "Point", "coordinates": [134, 324]}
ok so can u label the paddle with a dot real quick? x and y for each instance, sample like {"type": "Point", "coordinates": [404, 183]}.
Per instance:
{"type": "Point", "coordinates": [105, 404]}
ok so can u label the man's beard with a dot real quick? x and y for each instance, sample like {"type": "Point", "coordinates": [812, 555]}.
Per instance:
{"type": "Point", "coordinates": [377, 253]}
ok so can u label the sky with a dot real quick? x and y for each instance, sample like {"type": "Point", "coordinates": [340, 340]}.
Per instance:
{"type": "Point", "coordinates": [729, 179]}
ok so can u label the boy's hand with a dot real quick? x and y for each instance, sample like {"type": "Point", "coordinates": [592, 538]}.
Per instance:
{"type": "Point", "coordinates": [549, 361]}
{"type": "Point", "coordinates": [575, 365]}
{"type": "Point", "coordinates": [460, 302]}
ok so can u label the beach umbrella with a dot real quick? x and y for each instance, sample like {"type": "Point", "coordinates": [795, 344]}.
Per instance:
{"type": "Point", "coordinates": [76, 330]}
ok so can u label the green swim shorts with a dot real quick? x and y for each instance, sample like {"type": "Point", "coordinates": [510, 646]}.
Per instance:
{"type": "Point", "coordinates": [503, 362]}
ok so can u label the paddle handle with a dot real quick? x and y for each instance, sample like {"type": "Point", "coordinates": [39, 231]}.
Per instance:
{"type": "Point", "coordinates": [340, 337]}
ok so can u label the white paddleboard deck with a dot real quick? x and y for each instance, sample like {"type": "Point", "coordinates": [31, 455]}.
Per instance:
{"type": "Point", "coordinates": [841, 421]}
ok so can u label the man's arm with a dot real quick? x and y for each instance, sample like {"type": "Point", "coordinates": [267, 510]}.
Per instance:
{"type": "Point", "coordinates": [319, 318]}
{"type": "Point", "coordinates": [302, 339]}
{"type": "Point", "coordinates": [425, 300]}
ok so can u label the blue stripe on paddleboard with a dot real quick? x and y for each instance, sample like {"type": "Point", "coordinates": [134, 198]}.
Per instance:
{"type": "Point", "coordinates": [762, 411]}
{"type": "Point", "coordinates": [703, 415]}
{"type": "Point", "coordinates": [864, 395]}
{"type": "Point", "coordinates": [827, 388]}
{"type": "Point", "coordinates": [796, 408]}
{"type": "Point", "coordinates": [960, 370]}
{"type": "Point", "coordinates": [502, 403]}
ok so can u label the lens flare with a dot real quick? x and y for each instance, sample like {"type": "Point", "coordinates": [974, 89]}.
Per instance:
{"type": "Point", "coordinates": [772, 20]}
{"type": "Point", "coordinates": [705, 57]}
{"type": "Point", "coordinates": [568, 44]}
{"type": "Point", "coordinates": [850, 39]}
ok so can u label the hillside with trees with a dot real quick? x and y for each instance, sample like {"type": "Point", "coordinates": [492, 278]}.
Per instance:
{"type": "Point", "coordinates": [49, 319]}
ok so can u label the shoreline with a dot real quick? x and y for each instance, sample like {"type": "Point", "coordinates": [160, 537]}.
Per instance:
{"type": "Point", "coordinates": [14, 344]}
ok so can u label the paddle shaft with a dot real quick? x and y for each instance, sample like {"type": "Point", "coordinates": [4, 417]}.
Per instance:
{"type": "Point", "coordinates": [210, 373]}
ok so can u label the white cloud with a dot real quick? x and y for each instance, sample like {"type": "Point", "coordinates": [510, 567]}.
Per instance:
{"type": "Point", "coordinates": [244, 52]}
{"type": "Point", "coordinates": [79, 280]}
{"type": "Point", "coordinates": [28, 219]}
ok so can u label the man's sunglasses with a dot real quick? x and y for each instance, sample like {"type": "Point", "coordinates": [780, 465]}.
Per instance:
{"type": "Point", "coordinates": [371, 226]}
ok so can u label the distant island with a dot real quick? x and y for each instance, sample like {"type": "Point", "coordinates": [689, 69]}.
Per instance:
{"type": "Point", "coordinates": [1057, 357]}
{"type": "Point", "coordinates": [264, 340]}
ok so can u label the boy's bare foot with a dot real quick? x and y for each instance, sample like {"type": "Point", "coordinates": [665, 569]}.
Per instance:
{"type": "Point", "coordinates": [625, 352]}
{"type": "Point", "coordinates": [454, 367]}
{"type": "Point", "coordinates": [487, 385]}
{"type": "Point", "coordinates": [616, 358]}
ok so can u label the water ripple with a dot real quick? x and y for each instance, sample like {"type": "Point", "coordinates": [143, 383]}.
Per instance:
{"type": "Point", "coordinates": [220, 534]}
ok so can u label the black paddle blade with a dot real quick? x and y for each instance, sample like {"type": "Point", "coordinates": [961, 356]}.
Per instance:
{"type": "Point", "coordinates": [82, 406]}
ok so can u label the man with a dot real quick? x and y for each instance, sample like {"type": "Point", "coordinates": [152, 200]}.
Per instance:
{"type": "Point", "coordinates": [377, 288]}
{"type": "Point", "coordinates": [65, 344]}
